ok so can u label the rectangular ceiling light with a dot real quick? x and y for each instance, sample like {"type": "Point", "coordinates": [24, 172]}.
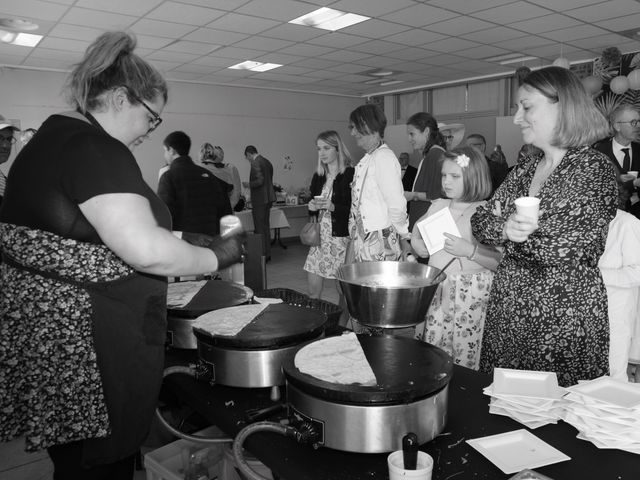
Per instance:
{"type": "Point", "coordinates": [27, 40]}
{"type": "Point", "coordinates": [517, 60]}
{"type": "Point", "coordinates": [329, 19]}
{"type": "Point", "coordinates": [255, 66]}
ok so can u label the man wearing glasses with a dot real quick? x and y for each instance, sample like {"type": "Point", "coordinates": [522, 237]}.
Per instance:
{"type": "Point", "coordinates": [623, 150]}
{"type": "Point", "coordinates": [6, 142]}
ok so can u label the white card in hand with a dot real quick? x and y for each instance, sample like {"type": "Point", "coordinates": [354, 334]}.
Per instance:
{"type": "Point", "coordinates": [433, 228]}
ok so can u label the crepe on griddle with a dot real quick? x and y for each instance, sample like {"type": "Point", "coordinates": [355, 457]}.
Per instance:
{"type": "Point", "coordinates": [336, 360]}
{"type": "Point", "coordinates": [228, 321]}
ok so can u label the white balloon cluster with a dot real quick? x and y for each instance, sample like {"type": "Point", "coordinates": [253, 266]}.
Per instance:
{"type": "Point", "coordinates": [619, 84]}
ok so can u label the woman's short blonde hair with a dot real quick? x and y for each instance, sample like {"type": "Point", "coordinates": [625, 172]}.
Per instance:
{"type": "Point", "coordinates": [579, 120]}
{"type": "Point", "coordinates": [332, 138]}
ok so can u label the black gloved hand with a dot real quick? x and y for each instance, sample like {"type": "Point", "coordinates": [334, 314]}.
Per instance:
{"type": "Point", "coordinates": [197, 239]}
{"type": "Point", "coordinates": [228, 249]}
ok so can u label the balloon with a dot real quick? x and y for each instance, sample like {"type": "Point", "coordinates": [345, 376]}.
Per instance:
{"type": "Point", "coordinates": [592, 84]}
{"type": "Point", "coordinates": [619, 84]}
{"type": "Point", "coordinates": [562, 62]}
{"type": "Point", "coordinates": [634, 79]}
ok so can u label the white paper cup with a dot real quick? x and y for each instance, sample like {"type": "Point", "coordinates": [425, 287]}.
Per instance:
{"type": "Point", "coordinates": [528, 206]}
{"type": "Point", "coordinates": [424, 469]}
{"type": "Point", "coordinates": [633, 173]}
{"type": "Point", "coordinates": [318, 197]}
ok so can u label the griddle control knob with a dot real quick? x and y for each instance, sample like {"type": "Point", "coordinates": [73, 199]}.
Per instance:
{"type": "Point", "coordinates": [307, 434]}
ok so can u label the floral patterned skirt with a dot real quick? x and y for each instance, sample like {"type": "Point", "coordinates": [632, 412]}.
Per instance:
{"type": "Point", "coordinates": [455, 319]}
{"type": "Point", "coordinates": [326, 258]}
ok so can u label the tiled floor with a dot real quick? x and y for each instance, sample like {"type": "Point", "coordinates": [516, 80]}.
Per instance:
{"type": "Point", "coordinates": [284, 271]}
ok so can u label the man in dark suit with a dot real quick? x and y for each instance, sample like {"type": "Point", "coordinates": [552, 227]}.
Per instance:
{"type": "Point", "coordinates": [262, 195]}
{"type": "Point", "coordinates": [498, 168]}
{"type": "Point", "coordinates": [195, 197]}
{"type": "Point", "coordinates": [408, 172]}
{"type": "Point", "coordinates": [623, 151]}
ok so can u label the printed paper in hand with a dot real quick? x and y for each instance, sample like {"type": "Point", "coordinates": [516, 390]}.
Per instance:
{"type": "Point", "coordinates": [434, 227]}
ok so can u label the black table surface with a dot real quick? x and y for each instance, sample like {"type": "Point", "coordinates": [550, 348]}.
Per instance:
{"type": "Point", "coordinates": [468, 417]}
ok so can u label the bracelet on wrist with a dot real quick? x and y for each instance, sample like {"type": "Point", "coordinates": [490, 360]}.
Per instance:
{"type": "Point", "coordinates": [474, 253]}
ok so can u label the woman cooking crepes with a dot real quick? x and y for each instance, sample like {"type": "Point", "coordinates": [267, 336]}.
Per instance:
{"type": "Point", "coordinates": [86, 249]}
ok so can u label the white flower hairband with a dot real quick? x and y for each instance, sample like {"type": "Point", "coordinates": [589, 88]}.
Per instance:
{"type": "Point", "coordinates": [462, 161]}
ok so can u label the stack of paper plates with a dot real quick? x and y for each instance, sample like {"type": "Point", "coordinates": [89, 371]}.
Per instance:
{"type": "Point", "coordinates": [606, 412]}
{"type": "Point", "coordinates": [531, 398]}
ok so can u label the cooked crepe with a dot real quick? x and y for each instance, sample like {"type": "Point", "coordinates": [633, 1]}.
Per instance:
{"type": "Point", "coordinates": [336, 360]}
{"type": "Point", "coordinates": [228, 321]}
{"type": "Point", "coordinates": [180, 294]}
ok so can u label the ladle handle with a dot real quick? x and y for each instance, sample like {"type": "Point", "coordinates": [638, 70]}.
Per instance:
{"type": "Point", "coordinates": [410, 451]}
{"type": "Point", "coordinates": [445, 267]}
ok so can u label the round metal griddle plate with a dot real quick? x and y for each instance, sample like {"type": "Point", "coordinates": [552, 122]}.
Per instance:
{"type": "Point", "coordinates": [213, 295]}
{"type": "Point", "coordinates": [278, 325]}
{"type": "Point", "coordinates": [406, 370]}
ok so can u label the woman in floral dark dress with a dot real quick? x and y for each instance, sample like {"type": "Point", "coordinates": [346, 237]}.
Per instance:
{"type": "Point", "coordinates": [548, 306]}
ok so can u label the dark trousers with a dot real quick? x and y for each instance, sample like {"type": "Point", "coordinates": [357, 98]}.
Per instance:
{"type": "Point", "coordinates": [67, 463]}
{"type": "Point", "coordinates": [261, 225]}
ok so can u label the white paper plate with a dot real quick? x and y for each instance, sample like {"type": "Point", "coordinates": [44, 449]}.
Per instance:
{"type": "Point", "coordinates": [526, 383]}
{"type": "Point", "coordinates": [533, 414]}
{"type": "Point", "coordinates": [527, 422]}
{"type": "Point", "coordinates": [526, 404]}
{"type": "Point", "coordinates": [517, 450]}
{"type": "Point", "coordinates": [609, 390]}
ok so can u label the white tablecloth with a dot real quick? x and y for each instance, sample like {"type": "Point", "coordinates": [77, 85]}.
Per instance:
{"type": "Point", "coordinates": [277, 219]}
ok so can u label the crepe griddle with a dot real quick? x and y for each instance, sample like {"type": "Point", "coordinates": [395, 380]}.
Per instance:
{"type": "Point", "coordinates": [213, 295]}
{"type": "Point", "coordinates": [406, 370]}
{"type": "Point", "coordinates": [279, 325]}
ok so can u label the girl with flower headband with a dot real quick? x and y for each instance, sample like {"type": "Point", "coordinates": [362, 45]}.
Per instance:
{"type": "Point", "coordinates": [455, 319]}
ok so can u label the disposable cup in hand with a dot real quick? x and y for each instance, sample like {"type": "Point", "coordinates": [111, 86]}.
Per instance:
{"type": "Point", "coordinates": [633, 173]}
{"type": "Point", "coordinates": [528, 206]}
{"type": "Point", "coordinates": [318, 198]}
{"type": "Point", "coordinates": [424, 469]}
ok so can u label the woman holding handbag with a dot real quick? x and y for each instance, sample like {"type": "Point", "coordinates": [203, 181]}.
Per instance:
{"type": "Point", "coordinates": [330, 208]}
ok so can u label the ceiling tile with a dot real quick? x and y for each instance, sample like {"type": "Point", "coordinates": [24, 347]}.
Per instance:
{"type": "Point", "coordinates": [575, 33]}
{"type": "Point", "coordinates": [127, 7]}
{"type": "Point", "coordinates": [412, 53]}
{"type": "Point", "coordinates": [344, 56]}
{"type": "Point", "coordinates": [338, 40]}
{"type": "Point", "coordinates": [492, 35]}
{"type": "Point", "coordinates": [295, 33]}
{"type": "Point", "coordinates": [484, 51]}
{"type": "Point", "coordinates": [606, 10]}
{"type": "Point", "coordinates": [545, 24]}
{"type": "Point", "coordinates": [238, 53]}
{"type": "Point", "coordinates": [276, 9]}
{"type": "Point", "coordinates": [279, 58]}
{"type": "Point", "coordinates": [228, 5]}
{"type": "Point", "coordinates": [371, 8]}
{"type": "Point", "coordinates": [191, 47]}
{"type": "Point", "coordinates": [622, 23]}
{"type": "Point", "coordinates": [263, 43]}
{"type": "Point", "coordinates": [419, 15]}
{"type": "Point", "coordinates": [450, 45]}
{"type": "Point", "coordinates": [466, 6]}
{"type": "Point", "coordinates": [375, 29]}
{"type": "Point", "coordinates": [194, 68]}
{"type": "Point", "coordinates": [64, 56]}
{"type": "Point", "coordinates": [460, 26]}
{"type": "Point", "coordinates": [213, 61]}
{"type": "Point", "coordinates": [512, 12]}
{"type": "Point", "coordinates": [306, 50]}
{"type": "Point", "coordinates": [564, 5]}
{"type": "Point", "coordinates": [158, 28]}
{"type": "Point", "coordinates": [151, 42]}
{"type": "Point", "coordinates": [350, 68]}
{"type": "Point", "coordinates": [181, 13]}
{"type": "Point", "coordinates": [378, 61]}
{"type": "Point", "coordinates": [176, 57]}
{"type": "Point", "coordinates": [377, 47]}
{"type": "Point", "coordinates": [415, 37]}
{"type": "Point", "coordinates": [524, 43]}
{"type": "Point", "coordinates": [177, 75]}
{"type": "Point", "coordinates": [234, 22]}
{"type": "Point", "coordinates": [216, 37]}
{"type": "Point", "coordinates": [316, 63]}
{"type": "Point", "coordinates": [96, 19]}
{"type": "Point", "coordinates": [33, 9]}
{"type": "Point", "coordinates": [64, 44]}
{"type": "Point", "coordinates": [77, 32]}
{"type": "Point", "coordinates": [603, 41]}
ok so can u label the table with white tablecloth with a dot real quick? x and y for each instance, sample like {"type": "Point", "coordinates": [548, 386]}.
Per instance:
{"type": "Point", "coordinates": [277, 220]}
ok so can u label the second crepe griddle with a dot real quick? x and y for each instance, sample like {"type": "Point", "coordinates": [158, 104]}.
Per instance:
{"type": "Point", "coordinates": [405, 369]}
{"type": "Point", "coordinates": [278, 325]}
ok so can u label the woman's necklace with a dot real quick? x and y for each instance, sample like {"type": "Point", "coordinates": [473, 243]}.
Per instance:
{"type": "Point", "coordinates": [371, 150]}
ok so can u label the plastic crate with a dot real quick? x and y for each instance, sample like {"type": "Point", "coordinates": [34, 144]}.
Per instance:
{"type": "Point", "coordinates": [168, 462]}
{"type": "Point", "coordinates": [291, 297]}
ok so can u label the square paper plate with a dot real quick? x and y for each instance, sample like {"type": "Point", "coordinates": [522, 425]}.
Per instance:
{"type": "Point", "coordinates": [517, 450]}
{"type": "Point", "coordinates": [526, 383]}
{"type": "Point", "coordinates": [608, 390]}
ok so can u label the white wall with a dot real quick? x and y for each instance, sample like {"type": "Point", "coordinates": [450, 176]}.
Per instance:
{"type": "Point", "coordinates": [278, 123]}
{"type": "Point", "coordinates": [509, 136]}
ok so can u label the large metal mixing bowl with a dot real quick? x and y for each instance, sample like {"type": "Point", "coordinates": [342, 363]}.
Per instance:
{"type": "Point", "coordinates": [388, 294]}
